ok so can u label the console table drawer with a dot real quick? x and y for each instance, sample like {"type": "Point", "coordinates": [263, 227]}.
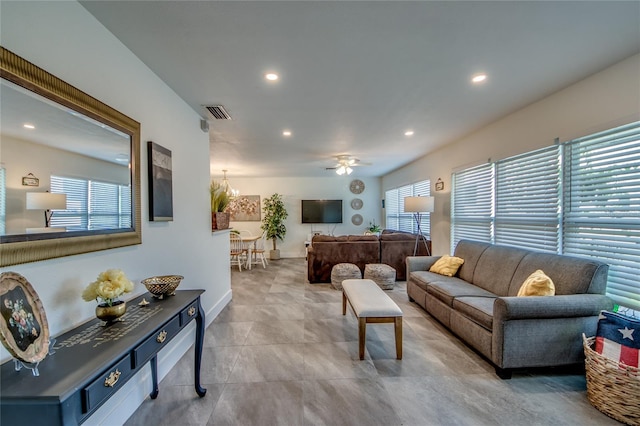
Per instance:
{"type": "Point", "coordinates": [105, 385]}
{"type": "Point", "coordinates": [153, 344]}
{"type": "Point", "coordinates": [188, 313]}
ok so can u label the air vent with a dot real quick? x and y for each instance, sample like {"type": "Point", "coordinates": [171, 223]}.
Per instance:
{"type": "Point", "coordinates": [218, 112]}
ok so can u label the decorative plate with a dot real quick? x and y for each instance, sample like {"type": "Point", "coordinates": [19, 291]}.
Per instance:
{"type": "Point", "coordinates": [356, 219]}
{"type": "Point", "coordinates": [356, 204]}
{"type": "Point", "coordinates": [356, 186]}
{"type": "Point", "coordinates": [24, 330]}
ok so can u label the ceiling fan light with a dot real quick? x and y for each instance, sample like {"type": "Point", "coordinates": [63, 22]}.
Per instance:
{"type": "Point", "coordinates": [352, 161]}
{"type": "Point", "coordinates": [349, 170]}
{"type": "Point", "coordinates": [340, 170]}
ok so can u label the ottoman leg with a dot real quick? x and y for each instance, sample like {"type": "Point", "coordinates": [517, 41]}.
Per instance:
{"type": "Point", "coordinates": [344, 303]}
{"type": "Point", "coordinates": [362, 335]}
{"type": "Point", "coordinates": [398, 330]}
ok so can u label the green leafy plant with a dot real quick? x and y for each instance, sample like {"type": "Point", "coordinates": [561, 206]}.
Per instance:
{"type": "Point", "coordinates": [374, 228]}
{"type": "Point", "coordinates": [273, 220]}
{"type": "Point", "coordinates": [219, 197]}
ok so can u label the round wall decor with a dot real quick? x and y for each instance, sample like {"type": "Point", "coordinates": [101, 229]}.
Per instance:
{"type": "Point", "coordinates": [356, 204]}
{"type": "Point", "coordinates": [356, 219]}
{"type": "Point", "coordinates": [356, 186]}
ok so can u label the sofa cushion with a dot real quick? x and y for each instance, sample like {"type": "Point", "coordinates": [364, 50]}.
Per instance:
{"type": "Point", "coordinates": [478, 309]}
{"type": "Point", "coordinates": [362, 238]}
{"type": "Point", "coordinates": [570, 275]}
{"type": "Point", "coordinates": [447, 265]}
{"type": "Point", "coordinates": [496, 267]}
{"type": "Point", "coordinates": [537, 284]}
{"type": "Point", "coordinates": [470, 251]}
{"type": "Point", "coordinates": [446, 289]}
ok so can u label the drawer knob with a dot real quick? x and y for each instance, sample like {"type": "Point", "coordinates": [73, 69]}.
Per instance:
{"type": "Point", "coordinates": [192, 311]}
{"type": "Point", "coordinates": [162, 336]}
{"type": "Point", "coordinates": [112, 379]}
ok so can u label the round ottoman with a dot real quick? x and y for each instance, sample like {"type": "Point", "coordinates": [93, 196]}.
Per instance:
{"type": "Point", "coordinates": [383, 275]}
{"type": "Point", "coordinates": [344, 271]}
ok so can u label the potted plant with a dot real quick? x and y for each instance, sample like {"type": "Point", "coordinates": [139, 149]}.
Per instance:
{"type": "Point", "coordinates": [219, 202]}
{"type": "Point", "coordinates": [374, 229]}
{"type": "Point", "coordinates": [273, 221]}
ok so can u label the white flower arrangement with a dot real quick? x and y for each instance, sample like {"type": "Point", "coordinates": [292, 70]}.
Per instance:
{"type": "Point", "coordinates": [108, 287]}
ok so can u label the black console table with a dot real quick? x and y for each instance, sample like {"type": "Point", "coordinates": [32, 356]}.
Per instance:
{"type": "Point", "coordinates": [92, 361]}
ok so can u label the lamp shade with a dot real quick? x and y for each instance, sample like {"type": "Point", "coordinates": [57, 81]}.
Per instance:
{"type": "Point", "coordinates": [418, 204]}
{"type": "Point", "coordinates": [46, 201]}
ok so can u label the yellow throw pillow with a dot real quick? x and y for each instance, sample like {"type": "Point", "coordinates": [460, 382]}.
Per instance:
{"type": "Point", "coordinates": [447, 265]}
{"type": "Point", "coordinates": [537, 284]}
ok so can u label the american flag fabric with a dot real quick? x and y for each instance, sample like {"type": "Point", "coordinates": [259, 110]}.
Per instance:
{"type": "Point", "coordinates": [618, 338]}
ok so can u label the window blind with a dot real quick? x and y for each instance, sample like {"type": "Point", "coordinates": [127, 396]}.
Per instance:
{"type": "Point", "coordinates": [472, 204]}
{"type": "Point", "coordinates": [3, 202]}
{"type": "Point", "coordinates": [527, 210]}
{"type": "Point", "coordinates": [92, 205]}
{"type": "Point", "coordinates": [602, 206]}
{"type": "Point", "coordinates": [397, 218]}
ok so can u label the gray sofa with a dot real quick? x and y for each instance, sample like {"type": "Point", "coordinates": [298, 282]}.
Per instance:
{"type": "Point", "coordinates": [479, 304]}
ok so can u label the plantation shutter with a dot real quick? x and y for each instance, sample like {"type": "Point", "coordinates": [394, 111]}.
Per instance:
{"type": "Point", "coordinates": [472, 204]}
{"type": "Point", "coordinates": [527, 211]}
{"type": "Point", "coordinates": [104, 205]}
{"type": "Point", "coordinates": [602, 206]}
{"type": "Point", "coordinates": [396, 217]}
{"type": "Point", "coordinates": [405, 220]}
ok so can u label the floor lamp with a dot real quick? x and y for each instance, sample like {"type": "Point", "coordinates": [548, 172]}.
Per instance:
{"type": "Point", "coordinates": [417, 206]}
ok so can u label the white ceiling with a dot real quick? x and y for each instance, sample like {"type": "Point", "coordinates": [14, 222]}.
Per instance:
{"type": "Point", "coordinates": [355, 75]}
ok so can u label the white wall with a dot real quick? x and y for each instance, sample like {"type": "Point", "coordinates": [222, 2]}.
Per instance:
{"type": "Point", "coordinates": [293, 190]}
{"type": "Point", "coordinates": [64, 39]}
{"type": "Point", "coordinates": [604, 100]}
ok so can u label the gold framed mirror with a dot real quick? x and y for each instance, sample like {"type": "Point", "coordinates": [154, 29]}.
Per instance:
{"type": "Point", "coordinates": [102, 152]}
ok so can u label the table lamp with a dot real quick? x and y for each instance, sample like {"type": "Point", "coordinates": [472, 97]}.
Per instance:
{"type": "Point", "coordinates": [46, 201]}
{"type": "Point", "coordinates": [417, 206]}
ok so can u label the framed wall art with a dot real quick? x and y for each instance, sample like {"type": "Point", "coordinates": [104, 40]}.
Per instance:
{"type": "Point", "coordinates": [160, 183]}
{"type": "Point", "coordinates": [244, 208]}
{"type": "Point", "coordinates": [24, 330]}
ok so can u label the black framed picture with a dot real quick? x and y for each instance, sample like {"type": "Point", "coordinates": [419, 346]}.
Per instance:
{"type": "Point", "coordinates": [160, 183]}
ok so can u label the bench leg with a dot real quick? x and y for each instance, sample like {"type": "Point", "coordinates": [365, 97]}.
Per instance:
{"type": "Point", "coordinates": [398, 329]}
{"type": "Point", "coordinates": [362, 335]}
{"type": "Point", "coordinates": [344, 303]}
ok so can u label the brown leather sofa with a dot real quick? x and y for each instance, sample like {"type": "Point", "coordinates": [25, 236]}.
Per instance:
{"type": "Point", "coordinates": [391, 248]}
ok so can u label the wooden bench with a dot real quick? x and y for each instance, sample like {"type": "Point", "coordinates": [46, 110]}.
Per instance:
{"type": "Point", "coordinates": [370, 304]}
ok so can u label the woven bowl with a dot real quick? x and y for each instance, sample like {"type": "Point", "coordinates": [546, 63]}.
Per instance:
{"type": "Point", "coordinates": [164, 285]}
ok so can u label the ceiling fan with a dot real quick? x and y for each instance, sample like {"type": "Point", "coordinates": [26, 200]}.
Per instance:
{"type": "Point", "coordinates": [345, 164]}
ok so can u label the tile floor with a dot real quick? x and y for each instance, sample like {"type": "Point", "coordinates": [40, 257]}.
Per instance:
{"type": "Point", "coordinates": [281, 353]}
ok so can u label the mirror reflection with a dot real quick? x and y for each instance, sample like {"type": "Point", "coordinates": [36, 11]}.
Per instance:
{"type": "Point", "coordinates": [60, 171]}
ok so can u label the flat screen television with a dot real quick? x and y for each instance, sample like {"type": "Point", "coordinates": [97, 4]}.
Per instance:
{"type": "Point", "coordinates": [321, 211]}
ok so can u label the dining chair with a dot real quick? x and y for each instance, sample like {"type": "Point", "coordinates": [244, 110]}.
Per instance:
{"type": "Point", "coordinates": [237, 250]}
{"type": "Point", "coordinates": [259, 250]}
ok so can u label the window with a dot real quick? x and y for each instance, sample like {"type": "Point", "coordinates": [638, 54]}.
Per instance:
{"type": "Point", "coordinates": [396, 218]}
{"type": "Point", "coordinates": [92, 205]}
{"type": "Point", "coordinates": [472, 204]}
{"type": "Point", "coordinates": [602, 206]}
{"type": "Point", "coordinates": [578, 198]}
{"type": "Point", "coordinates": [3, 202]}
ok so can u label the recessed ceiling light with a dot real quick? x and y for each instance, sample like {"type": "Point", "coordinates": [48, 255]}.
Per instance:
{"type": "Point", "coordinates": [286, 133]}
{"type": "Point", "coordinates": [479, 78]}
{"type": "Point", "coordinates": [28, 126]}
{"type": "Point", "coordinates": [271, 76]}
{"type": "Point", "coordinates": [408, 133]}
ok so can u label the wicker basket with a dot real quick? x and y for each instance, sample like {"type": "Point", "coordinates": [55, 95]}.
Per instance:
{"type": "Point", "coordinates": [164, 285]}
{"type": "Point", "coordinates": [612, 388]}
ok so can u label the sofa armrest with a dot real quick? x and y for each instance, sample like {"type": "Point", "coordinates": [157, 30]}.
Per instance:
{"type": "Point", "coordinates": [420, 263]}
{"type": "Point", "coordinates": [539, 307]}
